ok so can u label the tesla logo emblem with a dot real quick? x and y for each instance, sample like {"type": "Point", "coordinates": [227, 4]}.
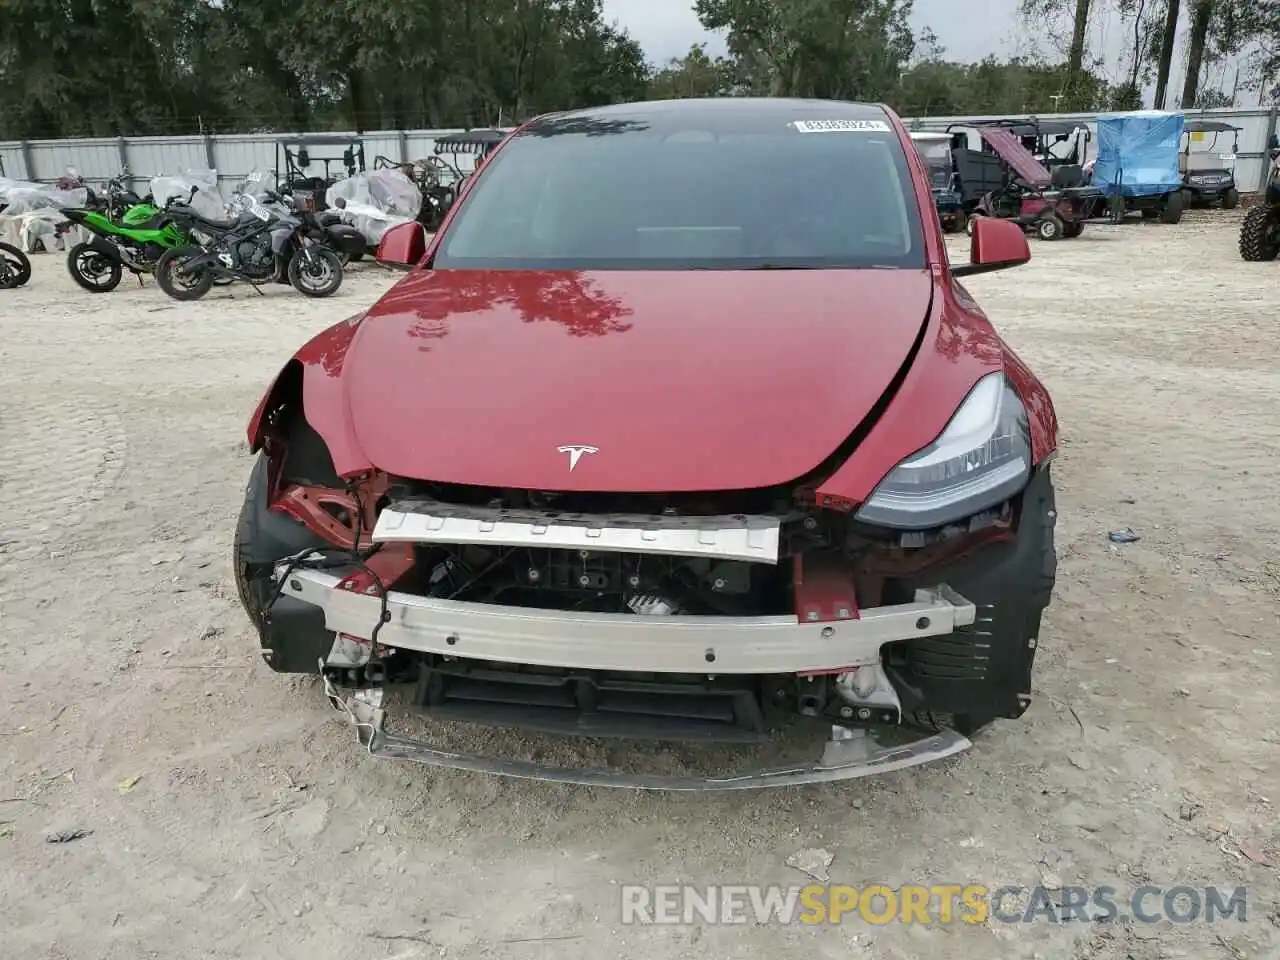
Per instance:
{"type": "Point", "coordinates": [575, 453]}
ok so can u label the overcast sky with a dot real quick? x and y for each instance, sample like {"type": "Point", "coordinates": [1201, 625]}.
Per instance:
{"type": "Point", "coordinates": [667, 28]}
{"type": "Point", "coordinates": [968, 30]}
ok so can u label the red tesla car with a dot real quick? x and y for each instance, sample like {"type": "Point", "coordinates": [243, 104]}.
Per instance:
{"type": "Point", "coordinates": [682, 427]}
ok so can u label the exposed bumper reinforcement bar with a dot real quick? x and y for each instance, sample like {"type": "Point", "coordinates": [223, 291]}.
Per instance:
{"type": "Point", "coordinates": [627, 642]}
{"type": "Point", "coordinates": [750, 538]}
{"type": "Point", "coordinates": [847, 756]}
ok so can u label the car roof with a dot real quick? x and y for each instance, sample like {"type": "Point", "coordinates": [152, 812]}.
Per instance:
{"type": "Point", "coordinates": [757, 109]}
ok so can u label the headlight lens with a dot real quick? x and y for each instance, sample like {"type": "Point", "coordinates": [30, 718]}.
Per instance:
{"type": "Point", "coordinates": [982, 459]}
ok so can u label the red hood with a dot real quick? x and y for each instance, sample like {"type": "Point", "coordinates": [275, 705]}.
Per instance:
{"type": "Point", "coordinates": [681, 381]}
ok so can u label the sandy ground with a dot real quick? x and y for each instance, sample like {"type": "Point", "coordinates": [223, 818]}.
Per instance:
{"type": "Point", "coordinates": [230, 814]}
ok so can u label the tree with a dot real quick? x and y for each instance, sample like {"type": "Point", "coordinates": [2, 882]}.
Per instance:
{"type": "Point", "coordinates": [694, 75]}
{"type": "Point", "coordinates": [1168, 35]}
{"type": "Point", "coordinates": [841, 49]}
{"type": "Point", "coordinates": [1075, 56]}
{"type": "Point", "coordinates": [132, 67]}
{"type": "Point", "coordinates": [1201, 17]}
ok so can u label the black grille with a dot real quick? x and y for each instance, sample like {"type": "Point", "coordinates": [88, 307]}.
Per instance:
{"type": "Point", "coordinates": [594, 704]}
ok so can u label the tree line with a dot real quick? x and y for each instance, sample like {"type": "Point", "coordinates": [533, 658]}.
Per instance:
{"type": "Point", "coordinates": [140, 67]}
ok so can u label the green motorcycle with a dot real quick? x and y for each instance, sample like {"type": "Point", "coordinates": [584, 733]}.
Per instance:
{"type": "Point", "coordinates": [128, 234]}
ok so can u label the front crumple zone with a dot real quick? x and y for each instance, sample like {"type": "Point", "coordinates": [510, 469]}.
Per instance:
{"type": "Point", "coordinates": [847, 755]}
{"type": "Point", "coordinates": [893, 638]}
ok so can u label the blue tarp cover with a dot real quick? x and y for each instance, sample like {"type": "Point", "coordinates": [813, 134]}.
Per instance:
{"type": "Point", "coordinates": [1138, 153]}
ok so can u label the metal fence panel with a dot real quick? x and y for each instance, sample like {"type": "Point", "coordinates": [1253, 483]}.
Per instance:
{"type": "Point", "coordinates": [235, 155]}
{"type": "Point", "coordinates": [12, 163]}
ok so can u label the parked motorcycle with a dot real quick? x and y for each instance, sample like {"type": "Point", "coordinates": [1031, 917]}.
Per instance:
{"type": "Point", "coordinates": [15, 268]}
{"type": "Point", "coordinates": [268, 242]}
{"type": "Point", "coordinates": [128, 233]}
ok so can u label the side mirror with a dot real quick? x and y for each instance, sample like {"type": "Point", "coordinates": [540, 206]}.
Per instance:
{"type": "Point", "coordinates": [348, 158]}
{"type": "Point", "coordinates": [304, 158]}
{"type": "Point", "coordinates": [1274, 142]}
{"type": "Point", "coordinates": [995, 245]}
{"type": "Point", "coordinates": [404, 245]}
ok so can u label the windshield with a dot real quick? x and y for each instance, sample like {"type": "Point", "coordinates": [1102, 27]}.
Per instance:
{"type": "Point", "coordinates": [936, 155]}
{"type": "Point", "coordinates": [698, 194]}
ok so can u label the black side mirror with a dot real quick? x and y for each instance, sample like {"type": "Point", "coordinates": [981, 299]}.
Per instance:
{"type": "Point", "coordinates": [304, 158]}
{"type": "Point", "coordinates": [348, 158]}
{"type": "Point", "coordinates": [1274, 142]}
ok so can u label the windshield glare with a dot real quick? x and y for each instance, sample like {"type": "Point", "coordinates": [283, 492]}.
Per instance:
{"type": "Point", "coordinates": [667, 197]}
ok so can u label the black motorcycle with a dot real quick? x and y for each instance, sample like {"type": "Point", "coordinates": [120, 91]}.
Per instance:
{"type": "Point", "coordinates": [266, 243]}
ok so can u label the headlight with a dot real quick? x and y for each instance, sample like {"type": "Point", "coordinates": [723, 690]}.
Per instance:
{"type": "Point", "coordinates": [982, 459]}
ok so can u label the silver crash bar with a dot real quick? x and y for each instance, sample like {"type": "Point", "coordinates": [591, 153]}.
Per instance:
{"type": "Point", "coordinates": [625, 641]}
{"type": "Point", "coordinates": [848, 754]}
{"type": "Point", "coordinates": [751, 538]}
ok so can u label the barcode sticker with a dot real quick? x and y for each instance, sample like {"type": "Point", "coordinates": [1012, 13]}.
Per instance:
{"type": "Point", "coordinates": [841, 126]}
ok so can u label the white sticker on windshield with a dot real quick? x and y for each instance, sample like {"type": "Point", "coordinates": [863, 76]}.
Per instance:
{"type": "Point", "coordinates": [841, 126]}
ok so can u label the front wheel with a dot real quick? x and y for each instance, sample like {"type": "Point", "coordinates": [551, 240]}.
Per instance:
{"type": "Point", "coordinates": [1073, 230]}
{"type": "Point", "coordinates": [971, 224]}
{"type": "Point", "coordinates": [15, 268]}
{"type": "Point", "coordinates": [1173, 205]}
{"type": "Point", "coordinates": [93, 270]}
{"type": "Point", "coordinates": [1231, 199]}
{"type": "Point", "coordinates": [1050, 227]}
{"type": "Point", "coordinates": [316, 272]}
{"type": "Point", "coordinates": [178, 282]}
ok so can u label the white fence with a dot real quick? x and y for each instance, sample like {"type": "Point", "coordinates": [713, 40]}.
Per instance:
{"type": "Point", "coordinates": [234, 156]}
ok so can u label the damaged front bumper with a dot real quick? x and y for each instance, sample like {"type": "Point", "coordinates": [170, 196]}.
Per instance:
{"type": "Point", "coordinates": [849, 754]}
{"type": "Point", "coordinates": [631, 644]}
{"type": "Point", "coordinates": [621, 641]}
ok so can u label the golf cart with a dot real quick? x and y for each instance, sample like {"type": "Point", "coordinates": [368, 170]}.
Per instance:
{"type": "Point", "coordinates": [1055, 143]}
{"type": "Point", "coordinates": [1206, 176]}
{"type": "Point", "coordinates": [1001, 178]}
{"type": "Point", "coordinates": [935, 152]}
{"type": "Point", "coordinates": [1260, 232]}
{"type": "Point", "coordinates": [300, 153]}
{"type": "Point", "coordinates": [444, 178]}
{"type": "Point", "coordinates": [1138, 164]}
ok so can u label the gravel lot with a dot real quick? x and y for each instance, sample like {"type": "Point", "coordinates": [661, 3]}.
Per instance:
{"type": "Point", "coordinates": [231, 815]}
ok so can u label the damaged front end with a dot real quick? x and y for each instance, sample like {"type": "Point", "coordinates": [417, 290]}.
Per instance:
{"type": "Point", "coordinates": [714, 618]}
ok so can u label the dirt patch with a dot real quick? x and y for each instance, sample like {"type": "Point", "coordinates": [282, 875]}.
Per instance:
{"type": "Point", "coordinates": [255, 828]}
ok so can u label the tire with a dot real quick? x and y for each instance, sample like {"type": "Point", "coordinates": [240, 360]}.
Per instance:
{"type": "Point", "coordinates": [356, 257]}
{"type": "Point", "coordinates": [15, 268]}
{"type": "Point", "coordinates": [181, 286]}
{"type": "Point", "coordinates": [1148, 214]}
{"type": "Point", "coordinates": [94, 271]}
{"type": "Point", "coordinates": [1073, 230]}
{"type": "Point", "coordinates": [971, 223]}
{"type": "Point", "coordinates": [1050, 227]}
{"type": "Point", "coordinates": [1231, 199]}
{"type": "Point", "coordinates": [1173, 205]}
{"type": "Point", "coordinates": [320, 278]}
{"type": "Point", "coordinates": [1260, 234]}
